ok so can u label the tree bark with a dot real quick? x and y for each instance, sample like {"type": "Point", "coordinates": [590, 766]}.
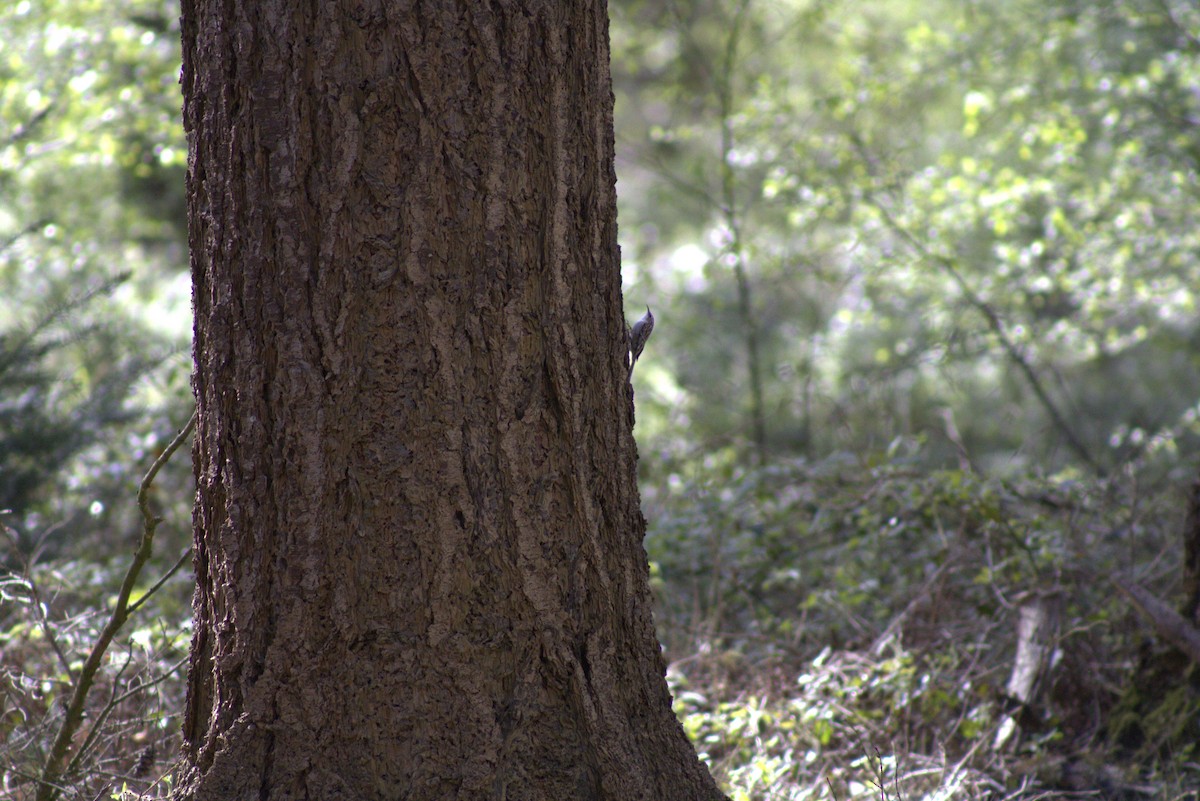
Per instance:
{"type": "Point", "coordinates": [1191, 557]}
{"type": "Point", "coordinates": [418, 556]}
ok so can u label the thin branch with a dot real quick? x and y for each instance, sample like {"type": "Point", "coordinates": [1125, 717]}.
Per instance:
{"type": "Point", "coordinates": [1179, 26]}
{"type": "Point", "coordinates": [659, 169]}
{"type": "Point", "coordinates": [31, 125]}
{"type": "Point", "coordinates": [52, 770]}
{"type": "Point", "coordinates": [112, 704]}
{"type": "Point", "coordinates": [133, 607]}
{"type": "Point", "coordinates": [998, 328]}
{"type": "Point", "coordinates": [143, 496]}
{"type": "Point", "coordinates": [983, 307]}
{"type": "Point", "coordinates": [94, 732]}
{"type": "Point", "coordinates": [47, 629]}
{"type": "Point", "coordinates": [16, 352]}
{"type": "Point", "coordinates": [159, 679]}
{"type": "Point", "coordinates": [9, 241]}
{"type": "Point", "coordinates": [30, 777]}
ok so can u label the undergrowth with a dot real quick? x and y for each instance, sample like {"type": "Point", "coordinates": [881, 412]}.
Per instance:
{"type": "Point", "coordinates": [848, 629]}
{"type": "Point", "coordinates": [838, 630]}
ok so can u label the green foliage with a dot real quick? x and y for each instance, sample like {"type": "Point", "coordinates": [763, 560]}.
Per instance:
{"type": "Point", "coordinates": [969, 239]}
{"type": "Point", "coordinates": [985, 209]}
{"type": "Point", "coordinates": [821, 737]}
{"type": "Point", "coordinates": [93, 328]}
{"type": "Point", "coordinates": [749, 550]}
{"type": "Point", "coordinates": [816, 611]}
{"type": "Point", "coordinates": [89, 104]}
{"type": "Point", "coordinates": [46, 419]}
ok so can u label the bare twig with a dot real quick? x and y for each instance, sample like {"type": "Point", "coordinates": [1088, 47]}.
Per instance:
{"type": "Point", "coordinates": [112, 704]}
{"type": "Point", "coordinates": [44, 623]}
{"type": "Point", "coordinates": [133, 607]}
{"type": "Point", "coordinates": [52, 770]}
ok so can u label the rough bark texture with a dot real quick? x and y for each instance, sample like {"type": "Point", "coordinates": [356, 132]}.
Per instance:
{"type": "Point", "coordinates": [418, 541]}
{"type": "Point", "coordinates": [1191, 557]}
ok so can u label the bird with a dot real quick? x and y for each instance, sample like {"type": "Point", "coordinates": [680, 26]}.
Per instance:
{"type": "Point", "coordinates": [638, 336]}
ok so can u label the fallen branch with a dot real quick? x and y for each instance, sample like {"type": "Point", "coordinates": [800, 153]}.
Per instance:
{"type": "Point", "coordinates": [1169, 624]}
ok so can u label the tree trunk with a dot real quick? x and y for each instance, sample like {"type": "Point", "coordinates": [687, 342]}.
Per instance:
{"type": "Point", "coordinates": [418, 541]}
{"type": "Point", "coordinates": [1191, 557]}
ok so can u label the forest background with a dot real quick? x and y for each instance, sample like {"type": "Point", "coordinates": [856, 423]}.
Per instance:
{"type": "Point", "coordinates": [919, 423]}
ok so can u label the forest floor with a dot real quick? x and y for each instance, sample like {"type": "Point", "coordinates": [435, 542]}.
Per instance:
{"type": "Point", "coordinates": [851, 632]}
